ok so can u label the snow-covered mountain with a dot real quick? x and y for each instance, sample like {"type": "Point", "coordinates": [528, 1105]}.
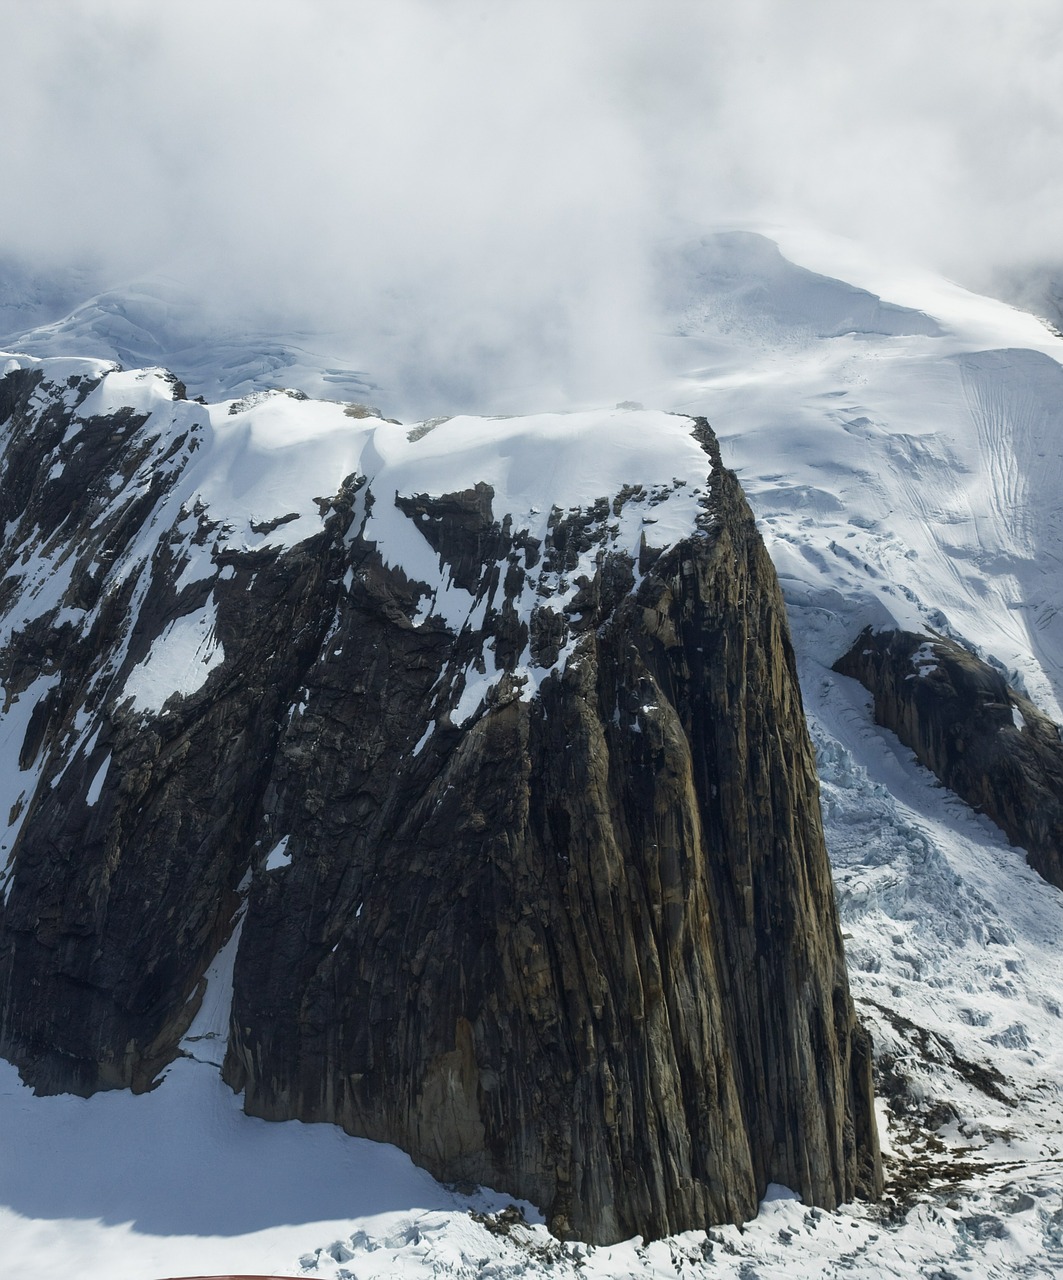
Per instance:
{"type": "Point", "coordinates": [156, 321]}
{"type": "Point", "coordinates": [899, 439]}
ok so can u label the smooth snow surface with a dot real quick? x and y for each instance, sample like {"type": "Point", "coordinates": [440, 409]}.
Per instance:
{"type": "Point", "coordinates": [900, 441]}
{"type": "Point", "coordinates": [179, 661]}
{"type": "Point", "coordinates": [278, 856]}
{"type": "Point", "coordinates": [178, 1182]}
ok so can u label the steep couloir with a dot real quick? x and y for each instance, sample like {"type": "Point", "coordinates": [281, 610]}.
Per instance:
{"type": "Point", "coordinates": [486, 736]}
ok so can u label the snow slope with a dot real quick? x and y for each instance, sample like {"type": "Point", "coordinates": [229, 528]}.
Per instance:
{"type": "Point", "coordinates": [900, 442]}
{"type": "Point", "coordinates": [912, 472]}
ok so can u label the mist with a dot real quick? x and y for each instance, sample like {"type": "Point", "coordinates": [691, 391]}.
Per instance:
{"type": "Point", "coordinates": [472, 195]}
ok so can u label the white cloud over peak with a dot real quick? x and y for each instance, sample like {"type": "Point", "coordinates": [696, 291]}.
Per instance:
{"type": "Point", "coordinates": [483, 186]}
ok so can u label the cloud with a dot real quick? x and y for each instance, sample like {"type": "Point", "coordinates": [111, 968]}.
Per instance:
{"type": "Point", "coordinates": [475, 190]}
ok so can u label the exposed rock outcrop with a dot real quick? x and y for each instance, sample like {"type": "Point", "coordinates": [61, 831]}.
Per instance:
{"type": "Point", "coordinates": [530, 852]}
{"type": "Point", "coordinates": [979, 736]}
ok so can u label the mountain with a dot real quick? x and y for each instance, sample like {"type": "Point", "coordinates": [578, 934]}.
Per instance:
{"type": "Point", "coordinates": [156, 321]}
{"type": "Point", "coordinates": [897, 438]}
{"type": "Point", "coordinates": [979, 736]}
{"type": "Point", "coordinates": [507, 782]}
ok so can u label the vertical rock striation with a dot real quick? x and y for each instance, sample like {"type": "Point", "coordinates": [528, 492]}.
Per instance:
{"type": "Point", "coordinates": [539, 895]}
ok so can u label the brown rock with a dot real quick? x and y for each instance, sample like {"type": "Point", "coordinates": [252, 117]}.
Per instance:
{"type": "Point", "coordinates": [979, 736]}
{"type": "Point", "coordinates": [580, 946]}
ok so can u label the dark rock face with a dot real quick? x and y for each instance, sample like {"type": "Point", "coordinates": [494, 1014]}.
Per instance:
{"type": "Point", "coordinates": [982, 738]}
{"type": "Point", "coordinates": [578, 944]}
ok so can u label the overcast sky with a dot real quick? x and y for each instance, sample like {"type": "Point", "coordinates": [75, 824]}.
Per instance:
{"type": "Point", "coordinates": [492, 177]}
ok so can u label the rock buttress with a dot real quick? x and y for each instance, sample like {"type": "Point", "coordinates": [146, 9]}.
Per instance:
{"type": "Point", "coordinates": [577, 942]}
{"type": "Point", "coordinates": [973, 731]}
{"type": "Point", "coordinates": [585, 948]}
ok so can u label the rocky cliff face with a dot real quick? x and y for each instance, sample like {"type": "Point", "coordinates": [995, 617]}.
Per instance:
{"type": "Point", "coordinates": [488, 737]}
{"type": "Point", "coordinates": [982, 738]}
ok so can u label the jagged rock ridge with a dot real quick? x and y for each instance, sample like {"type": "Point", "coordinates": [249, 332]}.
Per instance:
{"type": "Point", "coordinates": [982, 738]}
{"type": "Point", "coordinates": [517, 795]}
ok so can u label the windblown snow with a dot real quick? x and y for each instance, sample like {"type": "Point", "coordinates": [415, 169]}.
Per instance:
{"type": "Point", "coordinates": [900, 442]}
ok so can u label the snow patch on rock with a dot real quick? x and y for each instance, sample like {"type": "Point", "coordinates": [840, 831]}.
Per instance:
{"type": "Point", "coordinates": [178, 662]}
